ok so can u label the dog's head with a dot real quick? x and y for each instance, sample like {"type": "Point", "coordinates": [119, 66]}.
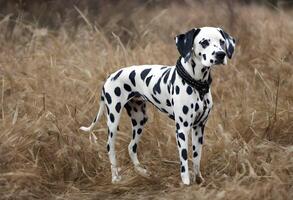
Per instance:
{"type": "Point", "coordinates": [210, 45]}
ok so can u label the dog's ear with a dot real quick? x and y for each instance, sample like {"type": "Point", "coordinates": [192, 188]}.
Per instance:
{"type": "Point", "coordinates": [229, 43]}
{"type": "Point", "coordinates": [184, 43]}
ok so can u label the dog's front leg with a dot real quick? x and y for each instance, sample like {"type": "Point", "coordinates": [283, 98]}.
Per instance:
{"type": "Point", "coordinates": [197, 141]}
{"type": "Point", "coordinates": [182, 143]}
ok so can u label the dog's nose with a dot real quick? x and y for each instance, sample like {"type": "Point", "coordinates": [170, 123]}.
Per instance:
{"type": "Point", "coordinates": [220, 55]}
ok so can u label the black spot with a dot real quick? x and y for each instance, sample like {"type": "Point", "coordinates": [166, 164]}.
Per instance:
{"type": "Point", "coordinates": [195, 154]}
{"type": "Point", "coordinates": [117, 75]}
{"type": "Point", "coordinates": [193, 147]}
{"type": "Point", "coordinates": [111, 134]}
{"type": "Point", "coordinates": [172, 117]}
{"type": "Point", "coordinates": [181, 136]}
{"type": "Point", "coordinates": [185, 109]}
{"type": "Point", "coordinates": [177, 89]}
{"type": "Point", "coordinates": [118, 107]}
{"type": "Point", "coordinates": [108, 147]}
{"type": "Point", "coordinates": [204, 43]}
{"type": "Point", "coordinates": [182, 169]}
{"type": "Point", "coordinates": [112, 118]}
{"type": "Point", "coordinates": [102, 98]}
{"type": "Point", "coordinates": [196, 107]}
{"type": "Point", "coordinates": [168, 103]}
{"type": "Point", "coordinates": [177, 126]}
{"type": "Point", "coordinates": [148, 80]}
{"type": "Point", "coordinates": [163, 67]}
{"type": "Point", "coordinates": [183, 82]}
{"type": "Point", "coordinates": [134, 122]}
{"type": "Point", "coordinates": [128, 109]}
{"type": "Point", "coordinates": [193, 64]}
{"type": "Point", "coordinates": [173, 77]}
{"type": "Point", "coordinates": [213, 53]}
{"type": "Point", "coordinates": [185, 123]}
{"type": "Point", "coordinates": [143, 121]}
{"type": "Point", "coordinates": [199, 53]}
{"type": "Point", "coordinates": [132, 94]}
{"type": "Point", "coordinates": [139, 131]}
{"type": "Point", "coordinates": [172, 102]}
{"type": "Point", "coordinates": [202, 129]}
{"type": "Point", "coordinates": [203, 69]}
{"type": "Point", "coordinates": [127, 87]}
{"type": "Point", "coordinates": [200, 140]}
{"type": "Point", "coordinates": [205, 74]}
{"type": "Point", "coordinates": [156, 100]}
{"type": "Point", "coordinates": [180, 118]}
{"type": "Point", "coordinates": [132, 77]}
{"type": "Point", "coordinates": [108, 97]}
{"type": "Point", "coordinates": [157, 87]}
{"type": "Point", "coordinates": [191, 105]}
{"type": "Point", "coordinates": [178, 143]}
{"type": "Point", "coordinates": [168, 87]}
{"type": "Point", "coordinates": [204, 56]}
{"type": "Point", "coordinates": [144, 73]}
{"type": "Point", "coordinates": [117, 91]}
{"type": "Point", "coordinates": [184, 154]}
{"type": "Point", "coordinates": [211, 61]}
{"type": "Point", "coordinates": [133, 134]}
{"type": "Point", "coordinates": [189, 90]}
{"type": "Point", "coordinates": [166, 76]}
{"type": "Point", "coordinates": [208, 101]}
{"type": "Point", "coordinates": [191, 116]}
{"type": "Point", "coordinates": [135, 109]}
{"type": "Point", "coordinates": [134, 148]}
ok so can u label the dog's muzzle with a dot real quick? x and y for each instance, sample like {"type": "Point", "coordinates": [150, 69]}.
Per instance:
{"type": "Point", "coordinates": [220, 56]}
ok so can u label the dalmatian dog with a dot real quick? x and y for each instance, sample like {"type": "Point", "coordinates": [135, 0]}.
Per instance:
{"type": "Point", "coordinates": [182, 92]}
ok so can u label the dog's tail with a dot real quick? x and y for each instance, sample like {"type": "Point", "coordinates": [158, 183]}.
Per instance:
{"type": "Point", "coordinates": [100, 112]}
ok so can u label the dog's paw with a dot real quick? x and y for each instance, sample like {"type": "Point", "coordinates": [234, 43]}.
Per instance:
{"type": "Point", "coordinates": [116, 179]}
{"type": "Point", "coordinates": [185, 180]}
{"type": "Point", "coordinates": [142, 171]}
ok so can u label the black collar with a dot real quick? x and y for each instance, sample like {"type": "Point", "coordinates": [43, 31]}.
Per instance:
{"type": "Point", "coordinates": [201, 86]}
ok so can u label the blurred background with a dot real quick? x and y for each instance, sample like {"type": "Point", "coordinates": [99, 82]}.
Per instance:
{"type": "Point", "coordinates": [56, 55]}
{"type": "Point", "coordinates": [114, 16]}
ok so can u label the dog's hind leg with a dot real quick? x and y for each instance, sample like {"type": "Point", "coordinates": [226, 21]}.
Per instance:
{"type": "Point", "coordinates": [136, 109]}
{"type": "Point", "coordinates": [113, 117]}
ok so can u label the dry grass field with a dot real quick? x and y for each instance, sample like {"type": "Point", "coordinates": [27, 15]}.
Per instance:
{"type": "Point", "coordinates": [50, 82]}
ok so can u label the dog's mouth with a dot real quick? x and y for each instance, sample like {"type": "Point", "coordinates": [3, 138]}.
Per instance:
{"type": "Point", "coordinates": [219, 62]}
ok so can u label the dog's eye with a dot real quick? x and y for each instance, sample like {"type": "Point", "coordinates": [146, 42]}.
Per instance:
{"type": "Point", "coordinates": [204, 43]}
{"type": "Point", "coordinates": [222, 43]}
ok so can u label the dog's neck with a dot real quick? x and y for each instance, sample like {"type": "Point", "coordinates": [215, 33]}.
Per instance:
{"type": "Point", "coordinates": [195, 69]}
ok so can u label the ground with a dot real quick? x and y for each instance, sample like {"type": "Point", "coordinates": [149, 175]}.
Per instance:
{"type": "Point", "coordinates": [50, 83]}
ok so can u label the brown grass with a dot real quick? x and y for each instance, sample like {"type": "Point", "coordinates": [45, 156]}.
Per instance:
{"type": "Point", "coordinates": [50, 83]}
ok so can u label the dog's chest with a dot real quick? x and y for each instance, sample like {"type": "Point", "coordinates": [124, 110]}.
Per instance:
{"type": "Point", "coordinates": [204, 107]}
